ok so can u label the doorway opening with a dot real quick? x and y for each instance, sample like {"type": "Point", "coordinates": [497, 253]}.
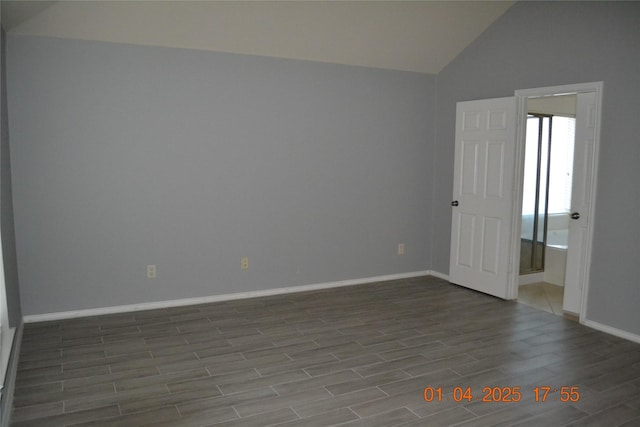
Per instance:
{"type": "Point", "coordinates": [487, 198]}
{"type": "Point", "coordinates": [546, 200]}
{"type": "Point", "coordinates": [580, 217]}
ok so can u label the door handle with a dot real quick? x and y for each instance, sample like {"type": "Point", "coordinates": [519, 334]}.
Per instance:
{"type": "Point", "coordinates": [575, 215]}
{"type": "Point", "coordinates": [454, 203]}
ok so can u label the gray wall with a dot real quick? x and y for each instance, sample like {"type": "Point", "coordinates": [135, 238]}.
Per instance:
{"type": "Point", "coordinates": [538, 44]}
{"type": "Point", "coordinates": [125, 156]}
{"type": "Point", "coordinates": [6, 206]}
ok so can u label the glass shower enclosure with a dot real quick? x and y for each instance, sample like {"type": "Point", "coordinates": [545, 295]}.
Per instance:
{"type": "Point", "coordinates": [535, 193]}
{"type": "Point", "coordinates": [547, 184]}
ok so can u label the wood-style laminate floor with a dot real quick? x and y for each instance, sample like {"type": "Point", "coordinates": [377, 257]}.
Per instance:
{"type": "Point", "coordinates": [352, 356]}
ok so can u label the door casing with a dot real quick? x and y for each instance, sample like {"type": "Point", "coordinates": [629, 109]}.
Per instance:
{"type": "Point", "coordinates": [521, 99]}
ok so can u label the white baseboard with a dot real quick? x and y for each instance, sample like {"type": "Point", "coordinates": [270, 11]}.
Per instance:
{"type": "Point", "coordinates": [252, 294]}
{"type": "Point", "coordinates": [46, 317]}
{"type": "Point", "coordinates": [611, 330]}
{"type": "Point", "coordinates": [527, 279]}
{"type": "Point", "coordinates": [439, 275]}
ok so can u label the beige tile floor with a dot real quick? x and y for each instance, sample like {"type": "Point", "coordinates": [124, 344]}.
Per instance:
{"type": "Point", "coordinates": [543, 296]}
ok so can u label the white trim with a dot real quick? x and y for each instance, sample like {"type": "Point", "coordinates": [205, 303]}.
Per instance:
{"type": "Point", "coordinates": [513, 281]}
{"type": "Point", "coordinates": [439, 275]}
{"type": "Point", "coordinates": [527, 279]}
{"type": "Point", "coordinates": [6, 332]}
{"type": "Point", "coordinates": [216, 298]}
{"type": "Point", "coordinates": [7, 336]}
{"type": "Point", "coordinates": [560, 90]}
{"type": "Point", "coordinates": [522, 95]}
{"type": "Point", "coordinates": [611, 330]}
{"type": "Point", "coordinates": [11, 374]}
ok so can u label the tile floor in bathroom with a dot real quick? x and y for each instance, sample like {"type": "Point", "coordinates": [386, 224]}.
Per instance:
{"type": "Point", "coordinates": [543, 296]}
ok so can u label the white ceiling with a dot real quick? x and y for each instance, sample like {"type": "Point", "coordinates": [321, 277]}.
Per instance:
{"type": "Point", "coordinates": [15, 12]}
{"type": "Point", "coordinates": [421, 36]}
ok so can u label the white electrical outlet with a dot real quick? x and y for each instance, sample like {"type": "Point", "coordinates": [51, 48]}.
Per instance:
{"type": "Point", "coordinates": [400, 248]}
{"type": "Point", "coordinates": [244, 263]}
{"type": "Point", "coordinates": [151, 271]}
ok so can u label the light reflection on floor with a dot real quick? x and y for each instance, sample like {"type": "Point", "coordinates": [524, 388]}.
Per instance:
{"type": "Point", "coordinates": [543, 296]}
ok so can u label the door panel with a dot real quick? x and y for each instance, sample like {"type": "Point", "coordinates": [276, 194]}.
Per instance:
{"type": "Point", "coordinates": [491, 245]}
{"type": "Point", "coordinates": [483, 187]}
{"type": "Point", "coordinates": [580, 200]}
{"type": "Point", "coordinates": [465, 241]}
{"type": "Point", "coordinates": [469, 168]}
{"type": "Point", "coordinates": [495, 170]}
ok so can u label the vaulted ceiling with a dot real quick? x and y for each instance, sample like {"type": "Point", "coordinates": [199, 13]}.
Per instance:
{"type": "Point", "coordinates": [421, 36]}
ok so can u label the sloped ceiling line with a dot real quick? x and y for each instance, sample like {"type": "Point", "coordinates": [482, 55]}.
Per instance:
{"type": "Point", "coordinates": [420, 36]}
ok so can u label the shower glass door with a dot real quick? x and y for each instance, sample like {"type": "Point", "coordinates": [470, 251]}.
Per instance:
{"type": "Point", "coordinates": [535, 198]}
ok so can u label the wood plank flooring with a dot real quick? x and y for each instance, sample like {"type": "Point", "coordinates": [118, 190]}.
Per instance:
{"type": "Point", "coordinates": [352, 356]}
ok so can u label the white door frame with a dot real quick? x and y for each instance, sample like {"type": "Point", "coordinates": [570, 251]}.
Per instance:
{"type": "Point", "coordinates": [521, 96]}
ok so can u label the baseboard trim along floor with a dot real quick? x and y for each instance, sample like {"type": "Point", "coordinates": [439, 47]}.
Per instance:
{"type": "Point", "coordinates": [611, 330]}
{"type": "Point", "coordinates": [46, 317]}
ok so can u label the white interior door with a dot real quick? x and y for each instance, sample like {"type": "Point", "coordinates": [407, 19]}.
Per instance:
{"type": "Point", "coordinates": [482, 207]}
{"type": "Point", "coordinates": [581, 193]}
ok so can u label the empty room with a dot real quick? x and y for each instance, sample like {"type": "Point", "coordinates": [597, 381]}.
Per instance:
{"type": "Point", "coordinates": [295, 213]}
